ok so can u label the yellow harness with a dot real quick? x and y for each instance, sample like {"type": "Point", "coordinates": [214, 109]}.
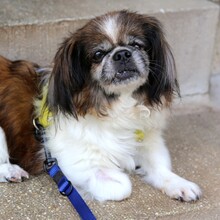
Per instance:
{"type": "Point", "coordinates": [139, 135]}
{"type": "Point", "coordinates": [45, 117]}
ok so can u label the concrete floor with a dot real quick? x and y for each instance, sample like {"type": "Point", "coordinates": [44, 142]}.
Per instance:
{"type": "Point", "coordinates": [194, 143]}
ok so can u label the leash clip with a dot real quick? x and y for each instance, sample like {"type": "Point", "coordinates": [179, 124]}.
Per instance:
{"type": "Point", "coordinates": [48, 163]}
{"type": "Point", "coordinates": [39, 130]}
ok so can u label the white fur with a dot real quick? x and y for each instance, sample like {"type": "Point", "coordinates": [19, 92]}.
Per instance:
{"type": "Point", "coordinates": [94, 152]}
{"type": "Point", "coordinates": [110, 27]}
{"type": "Point", "coordinates": [8, 171]}
{"type": "Point", "coordinates": [4, 157]}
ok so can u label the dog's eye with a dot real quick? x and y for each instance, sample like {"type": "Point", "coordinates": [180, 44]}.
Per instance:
{"type": "Point", "coordinates": [136, 45]}
{"type": "Point", "coordinates": [98, 56]}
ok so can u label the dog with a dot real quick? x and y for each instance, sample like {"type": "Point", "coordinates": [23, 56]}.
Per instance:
{"type": "Point", "coordinates": [103, 104]}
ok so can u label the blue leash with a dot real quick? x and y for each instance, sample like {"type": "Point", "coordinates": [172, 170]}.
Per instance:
{"type": "Point", "coordinates": [66, 189]}
{"type": "Point", "coordinates": [64, 185]}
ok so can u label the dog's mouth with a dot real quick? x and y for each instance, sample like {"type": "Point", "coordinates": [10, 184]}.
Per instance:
{"type": "Point", "coordinates": [125, 76]}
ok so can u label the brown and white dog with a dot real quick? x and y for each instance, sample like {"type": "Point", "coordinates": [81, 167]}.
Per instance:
{"type": "Point", "coordinates": [108, 95]}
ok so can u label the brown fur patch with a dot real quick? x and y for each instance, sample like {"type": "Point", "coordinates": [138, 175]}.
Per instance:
{"type": "Point", "coordinates": [18, 87]}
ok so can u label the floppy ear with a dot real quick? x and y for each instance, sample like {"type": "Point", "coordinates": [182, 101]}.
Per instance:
{"type": "Point", "coordinates": [162, 80]}
{"type": "Point", "coordinates": [68, 77]}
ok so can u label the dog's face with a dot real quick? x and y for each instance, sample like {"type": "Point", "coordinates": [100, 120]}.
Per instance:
{"type": "Point", "coordinates": [118, 57]}
{"type": "Point", "coordinates": [120, 52]}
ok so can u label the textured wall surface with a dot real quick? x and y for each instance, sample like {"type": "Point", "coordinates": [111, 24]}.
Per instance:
{"type": "Point", "coordinates": [216, 58]}
{"type": "Point", "coordinates": [34, 29]}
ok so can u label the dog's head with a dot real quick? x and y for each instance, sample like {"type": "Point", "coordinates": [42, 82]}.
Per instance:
{"type": "Point", "coordinates": [120, 52]}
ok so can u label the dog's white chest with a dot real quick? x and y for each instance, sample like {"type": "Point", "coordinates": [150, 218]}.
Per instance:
{"type": "Point", "coordinates": [111, 140]}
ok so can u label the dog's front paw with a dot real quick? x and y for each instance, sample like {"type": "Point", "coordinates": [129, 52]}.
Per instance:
{"type": "Point", "coordinates": [182, 190]}
{"type": "Point", "coordinates": [12, 173]}
{"type": "Point", "coordinates": [109, 184]}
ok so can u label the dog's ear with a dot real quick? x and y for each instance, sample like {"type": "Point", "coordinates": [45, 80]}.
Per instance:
{"type": "Point", "coordinates": [162, 80]}
{"type": "Point", "coordinates": [68, 77]}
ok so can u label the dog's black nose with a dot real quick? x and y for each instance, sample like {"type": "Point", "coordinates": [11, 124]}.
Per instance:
{"type": "Point", "coordinates": [122, 55]}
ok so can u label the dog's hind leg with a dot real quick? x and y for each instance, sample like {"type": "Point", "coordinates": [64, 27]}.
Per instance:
{"type": "Point", "coordinates": [9, 172]}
